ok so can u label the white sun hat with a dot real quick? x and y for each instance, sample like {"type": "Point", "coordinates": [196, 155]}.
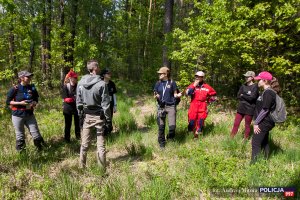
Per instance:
{"type": "Point", "coordinates": [200, 73]}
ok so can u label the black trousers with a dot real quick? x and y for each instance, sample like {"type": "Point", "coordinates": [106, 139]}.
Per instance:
{"type": "Point", "coordinates": [260, 142]}
{"type": "Point", "coordinates": [68, 124]}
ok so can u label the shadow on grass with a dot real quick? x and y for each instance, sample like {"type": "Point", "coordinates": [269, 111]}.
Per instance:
{"type": "Point", "coordinates": [55, 150]}
{"type": "Point", "coordinates": [135, 152]}
{"type": "Point", "coordinates": [181, 136]}
{"type": "Point", "coordinates": [274, 148]}
{"type": "Point", "coordinates": [208, 129]}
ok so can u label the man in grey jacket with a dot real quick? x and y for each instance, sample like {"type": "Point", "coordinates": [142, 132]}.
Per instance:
{"type": "Point", "coordinates": [93, 99]}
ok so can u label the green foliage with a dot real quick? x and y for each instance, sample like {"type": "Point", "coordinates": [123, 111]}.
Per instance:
{"type": "Point", "coordinates": [6, 74]}
{"type": "Point", "coordinates": [125, 122]}
{"type": "Point", "coordinates": [239, 36]}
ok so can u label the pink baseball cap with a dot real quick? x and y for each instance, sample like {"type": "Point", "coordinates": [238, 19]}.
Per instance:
{"type": "Point", "coordinates": [264, 75]}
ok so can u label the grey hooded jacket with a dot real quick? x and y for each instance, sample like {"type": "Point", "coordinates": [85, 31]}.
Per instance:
{"type": "Point", "coordinates": [92, 96]}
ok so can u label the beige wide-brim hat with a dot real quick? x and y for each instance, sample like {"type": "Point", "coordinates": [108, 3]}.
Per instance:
{"type": "Point", "coordinates": [200, 73]}
{"type": "Point", "coordinates": [163, 70]}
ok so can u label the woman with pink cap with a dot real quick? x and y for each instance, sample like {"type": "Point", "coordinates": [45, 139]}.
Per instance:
{"type": "Point", "coordinates": [201, 94]}
{"type": "Point", "coordinates": [263, 124]}
{"type": "Point", "coordinates": [69, 105]}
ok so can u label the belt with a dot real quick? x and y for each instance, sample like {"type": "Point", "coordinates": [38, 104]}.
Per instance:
{"type": "Point", "coordinates": [170, 104]}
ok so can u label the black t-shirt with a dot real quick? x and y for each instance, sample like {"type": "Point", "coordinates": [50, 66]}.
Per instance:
{"type": "Point", "coordinates": [69, 108]}
{"type": "Point", "coordinates": [247, 96]}
{"type": "Point", "coordinates": [267, 100]}
{"type": "Point", "coordinates": [111, 86]}
{"type": "Point", "coordinates": [21, 93]}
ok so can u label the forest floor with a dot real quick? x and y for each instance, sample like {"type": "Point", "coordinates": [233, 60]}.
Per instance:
{"type": "Point", "coordinates": [212, 167]}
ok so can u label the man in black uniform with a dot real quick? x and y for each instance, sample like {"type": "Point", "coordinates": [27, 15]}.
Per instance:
{"type": "Point", "coordinates": [105, 75]}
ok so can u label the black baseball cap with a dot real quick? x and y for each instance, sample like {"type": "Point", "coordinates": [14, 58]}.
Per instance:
{"type": "Point", "coordinates": [104, 71]}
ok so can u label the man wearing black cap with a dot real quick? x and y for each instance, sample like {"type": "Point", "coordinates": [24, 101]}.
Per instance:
{"type": "Point", "coordinates": [105, 75]}
{"type": "Point", "coordinates": [22, 100]}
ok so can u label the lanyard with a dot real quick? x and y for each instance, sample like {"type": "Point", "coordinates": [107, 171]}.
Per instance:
{"type": "Point", "coordinates": [164, 90]}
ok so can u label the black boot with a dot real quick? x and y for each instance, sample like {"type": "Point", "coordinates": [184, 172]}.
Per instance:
{"type": "Point", "coordinates": [171, 134]}
{"type": "Point", "coordinates": [161, 136]}
{"type": "Point", "coordinates": [20, 145]}
{"type": "Point", "coordinates": [39, 143]}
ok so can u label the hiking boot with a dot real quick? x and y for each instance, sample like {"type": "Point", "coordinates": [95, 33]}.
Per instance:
{"type": "Point", "coordinates": [39, 143]}
{"type": "Point", "coordinates": [162, 147]}
{"type": "Point", "coordinates": [20, 145]}
{"type": "Point", "coordinates": [196, 136]}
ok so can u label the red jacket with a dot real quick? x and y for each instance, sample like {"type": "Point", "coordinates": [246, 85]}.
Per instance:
{"type": "Point", "coordinates": [201, 94]}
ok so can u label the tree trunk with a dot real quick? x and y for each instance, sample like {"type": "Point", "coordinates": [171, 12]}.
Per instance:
{"type": "Point", "coordinates": [65, 68]}
{"type": "Point", "coordinates": [32, 53]}
{"type": "Point", "coordinates": [46, 43]}
{"type": "Point", "coordinates": [128, 8]}
{"type": "Point", "coordinates": [73, 32]}
{"type": "Point", "coordinates": [12, 56]}
{"type": "Point", "coordinates": [148, 28]}
{"type": "Point", "coordinates": [168, 23]}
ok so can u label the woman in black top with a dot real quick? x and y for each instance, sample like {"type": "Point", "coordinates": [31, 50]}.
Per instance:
{"type": "Point", "coordinates": [69, 105]}
{"type": "Point", "coordinates": [247, 96]}
{"type": "Point", "coordinates": [265, 103]}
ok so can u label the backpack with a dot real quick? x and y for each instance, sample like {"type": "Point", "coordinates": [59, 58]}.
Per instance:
{"type": "Point", "coordinates": [278, 115]}
{"type": "Point", "coordinates": [16, 88]}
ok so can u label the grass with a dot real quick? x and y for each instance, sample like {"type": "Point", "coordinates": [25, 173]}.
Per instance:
{"type": "Point", "coordinates": [137, 168]}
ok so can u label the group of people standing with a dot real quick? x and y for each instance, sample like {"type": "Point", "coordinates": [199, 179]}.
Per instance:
{"type": "Point", "coordinates": [257, 106]}
{"type": "Point", "coordinates": [94, 97]}
{"type": "Point", "coordinates": [167, 94]}
{"type": "Point", "coordinates": [252, 104]}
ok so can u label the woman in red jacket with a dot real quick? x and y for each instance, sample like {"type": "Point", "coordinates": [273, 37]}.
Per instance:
{"type": "Point", "coordinates": [201, 94]}
{"type": "Point", "coordinates": [69, 108]}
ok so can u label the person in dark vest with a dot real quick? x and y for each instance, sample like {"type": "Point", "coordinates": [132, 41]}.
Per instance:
{"type": "Point", "coordinates": [247, 95]}
{"type": "Point", "coordinates": [201, 95]}
{"type": "Point", "coordinates": [105, 75]}
{"type": "Point", "coordinates": [22, 99]}
{"type": "Point", "coordinates": [263, 123]}
{"type": "Point", "coordinates": [93, 99]}
{"type": "Point", "coordinates": [69, 105]}
{"type": "Point", "coordinates": [165, 92]}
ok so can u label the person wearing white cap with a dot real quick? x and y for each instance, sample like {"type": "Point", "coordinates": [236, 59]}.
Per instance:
{"type": "Point", "coordinates": [247, 96]}
{"type": "Point", "coordinates": [201, 94]}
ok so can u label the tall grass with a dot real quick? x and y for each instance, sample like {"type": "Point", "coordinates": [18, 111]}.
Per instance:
{"type": "Point", "coordinates": [137, 168]}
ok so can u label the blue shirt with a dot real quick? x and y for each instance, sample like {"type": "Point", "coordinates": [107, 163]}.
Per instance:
{"type": "Point", "coordinates": [166, 90]}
